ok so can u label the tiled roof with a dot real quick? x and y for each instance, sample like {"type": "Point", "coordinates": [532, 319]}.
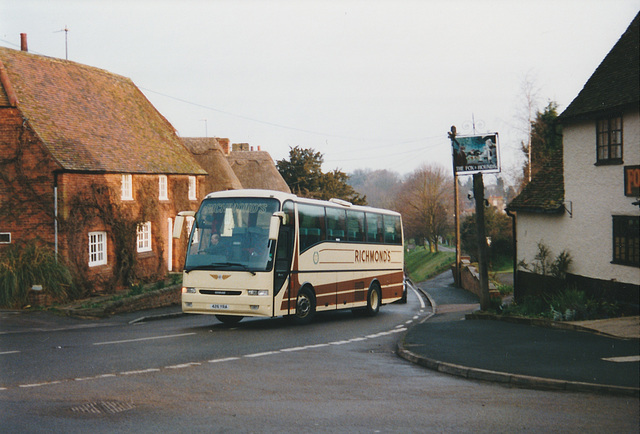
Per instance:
{"type": "Point", "coordinates": [615, 84]}
{"type": "Point", "coordinates": [92, 120]}
{"type": "Point", "coordinates": [208, 153]}
{"type": "Point", "coordinates": [256, 169]}
{"type": "Point", "coordinates": [545, 192]}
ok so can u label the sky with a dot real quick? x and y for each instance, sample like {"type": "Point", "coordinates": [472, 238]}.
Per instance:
{"type": "Point", "coordinates": [370, 84]}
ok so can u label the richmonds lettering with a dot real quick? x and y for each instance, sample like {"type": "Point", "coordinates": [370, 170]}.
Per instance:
{"type": "Point", "coordinates": [372, 255]}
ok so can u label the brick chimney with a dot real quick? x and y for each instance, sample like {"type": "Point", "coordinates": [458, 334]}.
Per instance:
{"type": "Point", "coordinates": [224, 145]}
{"type": "Point", "coordinates": [23, 42]}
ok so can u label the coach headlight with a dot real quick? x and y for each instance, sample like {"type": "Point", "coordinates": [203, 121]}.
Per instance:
{"type": "Point", "coordinates": [189, 290]}
{"type": "Point", "coordinates": [257, 292]}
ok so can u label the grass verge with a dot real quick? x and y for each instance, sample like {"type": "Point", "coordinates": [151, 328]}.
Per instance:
{"type": "Point", "coordinates": [422, 264]}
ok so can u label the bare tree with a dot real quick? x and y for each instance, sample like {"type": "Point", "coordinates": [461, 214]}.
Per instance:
{"type": "Point", "coordinates": [425, 200]}
{"type": "Point", "coordinates": [526, 115]}
{"type": "Point", "coordinates": [379, 186]}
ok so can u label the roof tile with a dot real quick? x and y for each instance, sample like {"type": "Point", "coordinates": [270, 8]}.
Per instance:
{"type": "Point", "coordinates": [615, 83]}
{"type": "Point", "coordinates": [545, 192]}
{"type": "Point", "coordinates": [92, 120]}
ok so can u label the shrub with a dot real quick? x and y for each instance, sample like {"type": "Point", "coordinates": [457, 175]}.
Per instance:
{"type": "Point", "coordinates": [23, 265]}
{"type": "Point", "coordinates": [567, 305]}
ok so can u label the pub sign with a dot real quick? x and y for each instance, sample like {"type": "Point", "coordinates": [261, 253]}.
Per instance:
{"type": "Point", "coordinates": [474, 154]}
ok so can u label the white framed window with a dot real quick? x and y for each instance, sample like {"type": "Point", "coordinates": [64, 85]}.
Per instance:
{"type": "Point", "coordinates": [162, 188]}
{"type": "Point", "coordinates": [5, 237]}
{"type": "Point", "coordinates": [97, 248]}
{"type": "Point", "coordinates": [127, 187]}
{"type": "Point", "coordinates": [609, 140]}
{"type": "Point", "coordinates": [192, 188]}
{"type": "Point", "coordinates": [144, 237]}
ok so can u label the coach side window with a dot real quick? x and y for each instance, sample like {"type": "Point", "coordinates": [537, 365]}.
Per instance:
{"type": "Point", "coordinates": [355, 225]}
{"type": "Point", "coordinates": [374, 228]}
{"type": "Point", "coordinates": [392, 229]}
{"type": "Point", "coordinates": [312, 229]}
{"type": "Point", "coordinates": [336, 222]}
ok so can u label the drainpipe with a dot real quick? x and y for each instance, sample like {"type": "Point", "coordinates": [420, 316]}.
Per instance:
{"type": "Point", "coordinates": [55, 212]}
{"type": "Point", "coordinates": [515, 249]}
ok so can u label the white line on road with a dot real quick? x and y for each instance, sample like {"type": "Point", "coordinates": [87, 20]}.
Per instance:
{"type": "Point", "coordinates": [226, 359]}
{"type": "Point", "coordinates": [266, 353]}
{"type": "Point", "coordinates": [143, 339]}
{"type": "Point", "coordinates": [8, 352]}
{"type": "Point", "coordinates": [183, 365]}
{"type": "Point", "coordinates": [46, 383]}
{"type": "Point", "coordinates": [422, 305]}
{"type": "Point", "coordinates": [623, 359]}
{"type": "Point", "coordinates": [94, 377]}
{"type": "Point", "coordinates": [140, 371]}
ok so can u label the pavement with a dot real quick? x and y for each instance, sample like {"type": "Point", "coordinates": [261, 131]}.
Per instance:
{"type": "Point", "coordinates": [600, 356]}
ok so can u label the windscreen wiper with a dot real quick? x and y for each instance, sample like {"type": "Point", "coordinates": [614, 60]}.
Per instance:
{"type": "Point", "coordinates": [232, 264]}
{"type": "Point", "coordinates": [219, 265]}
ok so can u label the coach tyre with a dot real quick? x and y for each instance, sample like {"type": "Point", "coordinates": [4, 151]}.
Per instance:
{"type": "Point", "coordinates": [373, 300]}
{"type": "Point", "coordinates": [305, 306]}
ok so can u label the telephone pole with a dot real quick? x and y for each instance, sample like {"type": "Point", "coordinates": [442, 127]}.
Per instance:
{"type": "Point", "coordinates": [483, 270]}
{"type": "Point", "coordinates": [452, 136]}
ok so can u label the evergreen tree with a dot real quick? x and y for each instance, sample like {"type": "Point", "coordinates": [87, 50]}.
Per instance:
{"type": "Point", "coordinates": [303, 173]}
{"type": "Point", "coordinates": [546, 139]}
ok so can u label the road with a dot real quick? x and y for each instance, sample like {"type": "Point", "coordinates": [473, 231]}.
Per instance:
{"type": "Point", "coordinates": [191, 374]}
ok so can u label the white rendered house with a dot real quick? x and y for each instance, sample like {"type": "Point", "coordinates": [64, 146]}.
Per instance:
{"type": "Point", "coordinates": [585, 202]}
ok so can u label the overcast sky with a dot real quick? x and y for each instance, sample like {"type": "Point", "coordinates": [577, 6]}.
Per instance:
{"type": "Point", "coordinates": [370, 84]}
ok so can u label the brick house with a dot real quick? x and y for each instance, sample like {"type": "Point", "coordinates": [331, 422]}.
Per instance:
{"type": "Point", "coordinates": [585, 201]}
{"type": "Point", "coordinates": [89, 167]}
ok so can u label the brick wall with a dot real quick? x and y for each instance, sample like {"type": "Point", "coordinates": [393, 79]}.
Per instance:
{"type": "Point", "coordinates": [26, 181]}
{"type": "Point", "coordinates": [27, 178]}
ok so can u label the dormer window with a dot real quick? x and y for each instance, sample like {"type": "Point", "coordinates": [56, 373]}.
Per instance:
{"type": "Point", "coordinates": [609, 140]}
{"type": "Point", "coordinates": [127, 187]}
{"type": "Point", "coordinates": [162, 187]}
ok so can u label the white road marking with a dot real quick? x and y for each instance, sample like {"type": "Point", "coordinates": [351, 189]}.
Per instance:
{"type": "Point", "coordinates": [140, 371]}
{"type": "Point", "coordinates": [623, 359]}
{"type": "Point", "coordinates": [266, 353]}
{"type": "Point", "coordinates": [286, 350]}
{"type": "Point", "coordinates": [46, 383]}
{"type": "Point", "coordinates": [226, 359]}
{"type": "Point", "coordinates": [143, 339]}
{"type": "Point", "coordinates": [422, 305]}
{"type": "Point", "coordinates": [183, 365]}
{"type": "Point", "coordinates": [96, 377]}
{"type": "Point", "coordinates": [9, 352]}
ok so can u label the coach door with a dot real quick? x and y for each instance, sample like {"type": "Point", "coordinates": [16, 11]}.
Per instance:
{"type": "Point", "coordinates": [284, 249]}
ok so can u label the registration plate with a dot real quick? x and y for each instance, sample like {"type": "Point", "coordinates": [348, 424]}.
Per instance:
{"type": "Point", "coordinates": [220, 306]}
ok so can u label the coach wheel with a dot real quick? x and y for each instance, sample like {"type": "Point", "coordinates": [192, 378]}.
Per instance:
{"type": "Point", "coordinates": [373, 300]}
{"type": "Point", "coordinates": [229, 319]}
{"type": "Point", "coordinates": [305, 306]}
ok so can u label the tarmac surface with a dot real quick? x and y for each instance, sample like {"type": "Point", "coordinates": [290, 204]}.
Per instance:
{"type": "Point", "coordinates": [588, 356]}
